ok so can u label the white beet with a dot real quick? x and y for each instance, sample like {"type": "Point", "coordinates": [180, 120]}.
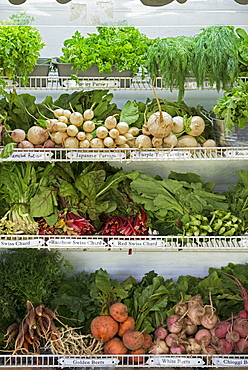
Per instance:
{"type": "Point", "coordinates": [178, 350]}
{"type": "Point", "coordinates": [174, 324]}
{"type": "Point", "coordinates": [160, 333]}
{"type": "Point", "coordinates": [172, 340]}
{"type": "Point", "coordinates": [203, 337]}
{"type": "Point", "coordinates": [195, 314]}
{"type": "Point", "coordinates": [209, 320]}
{"type": "Point", "coordinates": [192, 347]}
{"type": "Point", "coordinates": [37, 135]}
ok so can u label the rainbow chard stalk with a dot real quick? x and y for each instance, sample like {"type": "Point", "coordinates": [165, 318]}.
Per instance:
{"type": "Point", "coordinates": [78, 224]}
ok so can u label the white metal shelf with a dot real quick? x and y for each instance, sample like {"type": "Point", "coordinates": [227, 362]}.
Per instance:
{"type": "Point", "coordinates": [127, 155]}
{"type": "Point", "coordinates": [123, 361]}
{"type": "Point", "coordinates": [55, 82]}
{"type": "Point", "coordinates": [152, 243]}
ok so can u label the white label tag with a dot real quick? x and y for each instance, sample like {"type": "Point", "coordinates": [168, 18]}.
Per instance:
{"type": "Point", "coordinates": [22, 243]}
{"type": "Point", "coordinates": [83, 362]}
{"type": "Point", "coordinates": [73, 242]}
{"type": "Point", "coordinates": [88, 156]}
{"type": "Point", "coordinates": [136, 243]}
{"type": "Point", "coordinates": [244, 242]}
{"type": "Point", "coordinates": [93, 83]}
{"type": "Point", "coordinates": [29, 156]}
{"type": "Point", "coordinates": [232, 362]}
{"type": "Point", "coordinates": [236, 153]}
{"type": "Point", "coordinates": [174, 361]}
{"type": "Point", "coordinates": [160, 155]}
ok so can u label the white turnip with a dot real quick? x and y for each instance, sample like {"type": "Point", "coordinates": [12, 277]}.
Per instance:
{"type": "Point", "coordinates": [71, 142]}
{"type": "Point", "coordinates": [88, 114]}
{"type": "Point", "coordinates": [120, 140]}
{"type": "Point", "coordinates": [177, 124]}
{"type": "Point", "coordinates": [157, 142]}
{"type": "Point", "coordinates": [76, 118]}
{"type": "Point", "coordinates": [59, 137]}
{"type": "Point", "coordinates": [122, 127]}
{"type": "Point", "coordinates": [84, 143]}
{"type": "Point", "coordinates": [186, 141]}
{"type": "Point", "coordinates": [114, 133]}
{"type": "Point", "coordinates": [89, 126]}
{"type": "Point", "coordinates": [81, 135]}
{"type": "Point", "coordinates": [197, 126]}
{"type": "Point", "coordinates": [59, 126]}
{"type": "Point", "coordinates": [96, 143]}
{"type": "Point", "coordinates": [72, 130]}
{"type": "Point", "coordinates": [63, 119]}
{"type": "Point", "coordinates": [37, 135]}
{"type": "Point", "coordinates": [159, 124]}
{"type": "Point", "coordinates": [109, 142]}
{"type": "Point", "coordinates": [134, 131]}
{"type": "Point", "coordinates": [101, 132]}
{"type": "Point", "coordinates": [58, 112]}
{"type": "Point", "coordinates": [170, 141]}
{"type": "Point", "coordinates": [110, 122]}
{"type": "Point", "coordinates": [143, 141]}
{"type": "Point", "coordinates": [67, 113]}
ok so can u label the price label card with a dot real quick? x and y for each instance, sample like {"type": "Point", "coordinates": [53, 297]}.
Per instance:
{"type": "Point", "coordinates": [73, 242]}
{"type": "Point", "coordinates": [175, 361]}
{"type": "Point", "coordinates": [244, 242]}
{"type": "Point", "coordinates": [136, 243]}
{"type": "Point", "coordinates": [30, 156]}
{"type": "Point", "coordinates": [85, 362]}
{"type": "Point", "coordinates": [93, 84]}
{"type": "Point", "coordinates": [98, 156]}
{"type": "Point", "coordinates": [236, 153]}
{"type": "Point", "coordinates": [231, 362]}
{"type": "Point", "coordinates": [22, 243]}
{"type": "Point", "coordinates": [160, 155]}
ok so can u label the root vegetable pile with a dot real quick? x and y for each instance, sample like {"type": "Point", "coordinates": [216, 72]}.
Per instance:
{"type": "Point", "coordinates": [37, 325]}
{"type": "Point", "coordinates": [116, 331]}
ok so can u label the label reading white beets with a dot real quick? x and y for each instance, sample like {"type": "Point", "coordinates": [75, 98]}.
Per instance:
{"type": "Point", "coordinates": [174, 361]}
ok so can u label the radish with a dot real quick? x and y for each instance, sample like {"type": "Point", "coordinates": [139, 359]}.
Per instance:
{"type": "Point", "coordinates": [160, 333]}
{"type": "Point", "coordinates": [173, 324]}
{"type": "Point", "coordinates": [243, 314]}
{"type": "Point", "coordinates": [49, 144]}
{"type": "Point", "coordinates": [25, 144]}
{"type": "Point", "coordinates": [203, 337]}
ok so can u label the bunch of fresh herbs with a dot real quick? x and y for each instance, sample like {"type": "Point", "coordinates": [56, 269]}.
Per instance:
{"type": "Point", "coordinates": [232, 107]}
{"type": "Point", "coordinates": [122, 47]}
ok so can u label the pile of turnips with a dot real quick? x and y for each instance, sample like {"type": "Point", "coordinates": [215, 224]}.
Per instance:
{"type": "Point", "coordinates": [71, 129]}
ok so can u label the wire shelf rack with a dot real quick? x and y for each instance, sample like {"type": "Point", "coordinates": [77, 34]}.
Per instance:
{"type": "Point", "coordinates": [128, 244]}
{"type": "Point", "coordinates": [123, 361]}
{"type": "Point", "coordinates": [126, 155]}
{"type": "Point", "coordinates": [55, 82]}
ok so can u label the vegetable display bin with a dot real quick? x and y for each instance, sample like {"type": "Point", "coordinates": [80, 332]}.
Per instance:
{"type": "Point", "coordinates": [237, 138]}
{"type": "Point", "coordinates": [66, 70]}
